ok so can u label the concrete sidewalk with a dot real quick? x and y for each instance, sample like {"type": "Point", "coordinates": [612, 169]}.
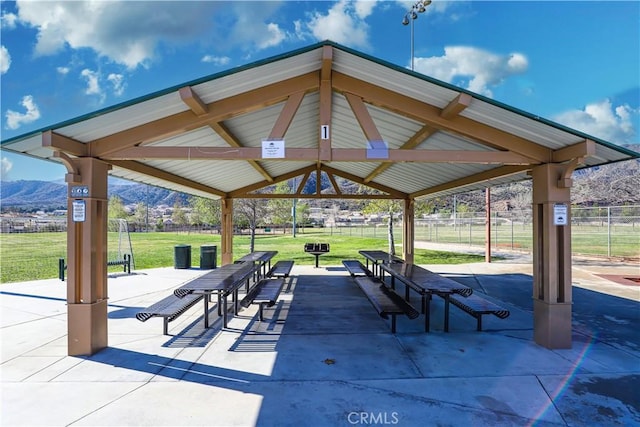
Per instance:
{"type": "Point", "coordinates": [323, 357]}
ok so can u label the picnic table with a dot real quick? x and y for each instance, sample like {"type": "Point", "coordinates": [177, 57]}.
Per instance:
{"type": "Point", "coordinates": [224, 281]}
{"type": "Point", "coordinates": [426, 283]}
{"type": "Point", "coordinates": [260, 258]}
{"type": "Point", "coordinates": [377, 257]}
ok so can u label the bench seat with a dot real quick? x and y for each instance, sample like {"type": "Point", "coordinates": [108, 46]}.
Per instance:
{"type": "Point", "coordinates": [281, 269]}
{"type": "Point", "coordinates": [264, 293]}
{"type": "Point", "coordinates": [385, 301]}
{"type": "Point", "coordinates": [356, 268]}
{"type": "Point", "coordinates": [476, 306]}
{"type": "Point", "coordinates": [169, 308]}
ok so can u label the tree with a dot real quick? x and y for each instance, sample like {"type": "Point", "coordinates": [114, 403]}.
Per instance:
{"type": "Point", "coordinates": [280, 209]}
{"type": "Point", "coordinates": [205, 211]}
{"type": "Point", "coordinates": [391, 208]}
{"type": "Point", "coordinates": [178, 216]}
{"type": "Point", "coordinates": [141, 215]}
{"type": "Point", "coordinates": [116, 208]}
{"type": "Point", "coordinates": [252, 210]}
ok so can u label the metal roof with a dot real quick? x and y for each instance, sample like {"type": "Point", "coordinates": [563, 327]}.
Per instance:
{"type": "Point", "coordinates": [441, 139]}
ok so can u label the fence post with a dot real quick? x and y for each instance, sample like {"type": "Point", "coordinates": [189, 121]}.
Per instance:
{"type": "Point", "coordinates": [609, 231]}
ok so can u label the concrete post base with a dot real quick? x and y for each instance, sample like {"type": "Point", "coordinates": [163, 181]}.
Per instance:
{"type": "Point", "coordinates": [87, 326]}
{"type": "Point", "coordinates": [552, 324]}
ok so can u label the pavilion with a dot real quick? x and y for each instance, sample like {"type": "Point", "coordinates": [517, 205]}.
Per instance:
{"type": "Point", "coordinates": [327, 110]}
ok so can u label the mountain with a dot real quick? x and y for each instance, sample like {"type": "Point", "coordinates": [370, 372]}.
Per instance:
{"type": "Point", "coordinates": [45, 195]}
{"type": "Point", "coordinates": [615, 184]}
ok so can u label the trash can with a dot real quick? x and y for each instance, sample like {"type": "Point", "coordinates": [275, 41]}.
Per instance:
{"type": "Point", "coordinates": [208, 255]}
{"type": "Point", "coordinates": [182, 256]}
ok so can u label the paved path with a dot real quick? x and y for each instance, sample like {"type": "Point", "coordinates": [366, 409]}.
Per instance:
{"type": "Point", "coordinates": [323, 357]}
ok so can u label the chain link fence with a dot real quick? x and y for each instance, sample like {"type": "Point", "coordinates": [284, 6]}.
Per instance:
{"type": "Point", "coordinates": [31, 247]}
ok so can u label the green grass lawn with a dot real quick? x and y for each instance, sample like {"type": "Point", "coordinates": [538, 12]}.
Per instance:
{"type": "Point", "coordinates": [35, 256]}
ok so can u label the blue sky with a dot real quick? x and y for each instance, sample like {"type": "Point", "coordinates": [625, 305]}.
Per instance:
{"type": "Point", "coordinates": [575, 62]}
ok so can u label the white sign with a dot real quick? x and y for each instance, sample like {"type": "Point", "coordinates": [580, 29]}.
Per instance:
{"type": "Point", "coordinates": [560, 214]}
{"type": "Point", "coordinates": [273, 149]}
{"type": "Point", "coordinates": [324, 132]}
{"type": "Point", "coordinates": [79, 211]}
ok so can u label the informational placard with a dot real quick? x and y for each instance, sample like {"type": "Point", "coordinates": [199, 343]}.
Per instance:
{"type": "Point", "coordinates": [560, 214]}
{"type": "Point", "coordinates": [78, 211]}
{"type": "Point", "coordinates": [377, 150]}
{"type": "Point", "coordinates": [273, 149]}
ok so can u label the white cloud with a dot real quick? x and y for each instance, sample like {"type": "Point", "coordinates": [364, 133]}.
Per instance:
{"type": "Point", "coordinates": [216, 60]}
{"type": "Point", "coordinates": [63, 70]}
{"type": "Point", "coordinates": [5, 60]}
{"type": "Point", "coordinates": [343, 23]}
{"type": "Point", "coordinates": [604, 121]}
{"type": "Point", "coordinates": [93, 85]}
{"type": "Point", "coordinates": [477, 69]}
{"type": "Point", "coordinates": [5, 168]}
{"type": "Point", "coordinates": [117, 80]}
{"type": "Point", "coordinates": [274, 38]}
{"type": "Point", "coordinates": [127, 32]}
{"type": "Point", "coordinates": [16, 119]}
{"type": "Point", "coordinates": [8, 20]}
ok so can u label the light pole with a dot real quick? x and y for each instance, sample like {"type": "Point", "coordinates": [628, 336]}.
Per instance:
{"type": "Point", "coordinates": [412, 15]}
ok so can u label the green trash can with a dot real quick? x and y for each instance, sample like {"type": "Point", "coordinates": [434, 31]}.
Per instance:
{"type": "Point", "coordinates": [182, 256]}
{"type": "Point", "coordinates": [208, 254]}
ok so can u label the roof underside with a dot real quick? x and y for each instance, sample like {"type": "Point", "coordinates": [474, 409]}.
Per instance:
{"type": "Point", "coordinates": [205, 137]}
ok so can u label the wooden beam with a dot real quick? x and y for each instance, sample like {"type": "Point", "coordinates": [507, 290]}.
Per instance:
{"type": "Point", "coordinates": [286, 115]}
{"type": "Point", "coordinates": [62, 143]}
{"type": "Point", "coordinates": [326, 104]}
{"type": "Point", "coordinates": [582, 149]}
{"type": "Point", "coordinates": [310, 154]}
{"type": "Point", "coordinates": [336, 187]}
{"type": "Point", "coordinates": [395, 194]}
{"type": "Point", "coordinates": [249, 189]}
{"type": "Point", "coordinates": [429, 114]}
{"type": "Point", "coordinates": [217, 111]}
{"type": "Point", "coordinates": [472, 179]}
{"type": "Point", "coordinates": [455, 107]}
{"type": "Point", "coordinates": [166, 176]}
{"type": "Point", "coordinates": [417, 139]}
{"type": "Point", "coordinates": [231, 139]}
{"type": "Point", "coordinates": [363, 117]}
{"type": "Point", "coordinates": [319, 196]}
{"type": "Point", "coordinates": [193, 101]}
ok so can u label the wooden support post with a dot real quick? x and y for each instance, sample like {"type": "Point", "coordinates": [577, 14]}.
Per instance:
{"type": "Point", "coordinates": [487, 229]}
{"type": "Point", "coordinates": [552, 256]}
{"type": "Point", "coordinates": [87, 256]}
{"type": "Point", "coordinates": [226, 238]}
{"type": "Point", "coordinates": [408, 236]}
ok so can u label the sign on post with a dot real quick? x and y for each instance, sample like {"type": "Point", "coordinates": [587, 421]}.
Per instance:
{"type": "Point", "coordinates": [560, 214]}
{"type": "Point", "coordinates": [78, 211]}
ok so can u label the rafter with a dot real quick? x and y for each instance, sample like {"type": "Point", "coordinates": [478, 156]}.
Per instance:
{"type": "Point", "coordinates": [472, 179]}
{"type": "Point", "coordinates": [417, 139]}
{"type": "Point", "coordinates": [363, 117]}
{"type": "Point", "coordinates": [62, 143]}
{"type": "Point", "coordinates": [396, 194]}
{"type": "Point", "coordinates": [286, 115]}
{"type": "Point", "coordinates": [429, 114]}
{"type": "Point", "coordinates": [231, 139]}
{"type": "Point", "coordinates": [582, 149]}
{"type": "Point", "coordinates": [455, 107]}
{"type": "Point", "coordinates": [166, 176]}
{"type": "Point", "coordinates": [193, 101]}
{"type": "Point", "coordinates": [249, 189]}
{"type": "Point", "coordinates": [218, 111]}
